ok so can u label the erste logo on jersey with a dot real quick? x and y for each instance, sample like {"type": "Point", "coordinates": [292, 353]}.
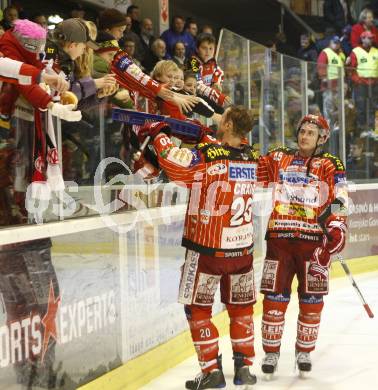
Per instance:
{"type": "Point", "coordinates": [242, 172]}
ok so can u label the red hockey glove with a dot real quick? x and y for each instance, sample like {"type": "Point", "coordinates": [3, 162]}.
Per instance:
{"type": "Point", "coordinates": [152, 130]}
{"type": "Point", "coordinates": [319, 263]}
{"type": "Point", "coordinates": [335, 236]}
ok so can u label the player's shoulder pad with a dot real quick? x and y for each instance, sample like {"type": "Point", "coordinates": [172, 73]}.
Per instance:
{"type": "Point", "coordinates": [213, 152]}
{"type": "Point", "coordinates": [282, 149]}
{"type": "Point", "coordinates": [338, 164]}
{"type": "Point", "coordinates": [252, 154]}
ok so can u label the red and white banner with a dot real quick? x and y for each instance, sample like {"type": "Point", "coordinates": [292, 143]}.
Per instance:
{"type": "Point", "coordinates": [164, 15]}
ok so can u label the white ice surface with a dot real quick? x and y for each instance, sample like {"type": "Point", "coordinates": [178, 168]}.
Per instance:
{"type": "Point", "coordinates": [346, 357]}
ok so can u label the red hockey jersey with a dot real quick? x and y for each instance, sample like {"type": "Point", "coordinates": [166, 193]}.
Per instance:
{"type": "Point", "coordinates": [298, 198]}
{"type": "Point", "coordinates": [208, 74]}
{"type": "Point", "coordinates": [222, 181]}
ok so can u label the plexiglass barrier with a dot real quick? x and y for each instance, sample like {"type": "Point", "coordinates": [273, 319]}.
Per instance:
{"type": "Point", "coordinates": [283, 89]}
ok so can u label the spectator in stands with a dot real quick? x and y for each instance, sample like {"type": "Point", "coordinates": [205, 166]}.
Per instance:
{"type": "Point", "coordinates": [282, 46]}
{"type": "Point", "coordinates": [40, 19]}
{"type": "Point", "coordinates": [358, 165]}
{"type": "Point", "coordinates": [330, 61]}
{"type": "Point", "coordinates": [307, 51]}
{"type": "Point", "coordinates": [70, 39]}
{"type": "Point", "coordinates": [177, 33]}
{"type": "Point", "coordinates": [207, 29]}
{"type": "Point", "coordinates": [10, 14]}
{"type": "Point", "coordinates": [337, 13]}
{"type": "Point", "coordinates": [113, 22]}
{"type": "Point", "coordinates": [345, 40]}
{"type": "Point", "coordinates": [129, 35]}
{"type": "Point", "coordinates": [364, 62]}
{"type": "Point", "coordinates": [365, 23]}
{"type": "Point", "coordinates": [133, 13]}
{"type": "Point", "coordinates": [293, 98]}
{"type": "Point", "coordinates": [165, 72]}
{"type": "Point", "coordinates": [314, 109]}
{"type": "Point", "coordinates": [129, 48]}
{"type": "Point", "coordinates": [158, 53]}
{"type": "Point", "coordinates": [321, 44]}
{"type": "Point", "coordinates": [179, 55]}
{"type": "Point", "coordinates": [103, 55]}
{"type": "Point", "coordinates": [190, 82]}
{"type": "Point", "coordinates": [146, 37]}
{"type": "Point", "coordinates": [209, 74]}
{"type": "Point", "coordinates": [147, 32]}
{"type": "Point", "coordinates": [77, 11]}
{"type": "Point", "coordinates": [179, 80]}
{"type": "Point", "coordinates": [191, 27]}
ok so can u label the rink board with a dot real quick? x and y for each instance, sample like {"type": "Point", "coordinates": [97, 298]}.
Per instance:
{"type": "Point", "coordinates": [140, 330]}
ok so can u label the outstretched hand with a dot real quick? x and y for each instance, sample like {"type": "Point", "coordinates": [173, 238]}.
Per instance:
{"type": "Point", "coordinates": [56, 82]}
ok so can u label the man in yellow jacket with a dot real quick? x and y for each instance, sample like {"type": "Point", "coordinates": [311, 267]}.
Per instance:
{"type": "Point", "coordinates": [363, 62]}
{"type": "Point", "coordinates": [329, 63]}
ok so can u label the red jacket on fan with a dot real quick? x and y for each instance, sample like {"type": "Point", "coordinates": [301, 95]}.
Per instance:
{"type": "Point", "coordinates": [16, 72]}
{"type": "Point", "coordinates": [34, 94]}
{"type": "Point", "coordinates": [298, 198]}
{"type": "Point", "coordinates": [208, 74]}
{"type": "Point", "coordinates": [222, 179]}
{"type": "Point", "coordinates": [357, 30]}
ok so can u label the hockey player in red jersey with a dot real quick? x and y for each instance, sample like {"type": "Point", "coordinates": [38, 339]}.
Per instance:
{"type": "Point", "coordinates": [218, 235]}
{"type": "Point", "coordinates": [306, 181]}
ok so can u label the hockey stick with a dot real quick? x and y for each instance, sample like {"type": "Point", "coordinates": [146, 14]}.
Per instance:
{"type": "Point", "coordinates": [354, 284]}
{"type": "Point", "coordinates": [178, 127]}
{"type": "Point", "coordinates": [321, 219]}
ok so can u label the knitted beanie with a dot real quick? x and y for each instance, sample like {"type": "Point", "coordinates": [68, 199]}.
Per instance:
{"type": "Point", "coordinates": [30, 35]}
{"type": "Point", "coordinates": [111, 17]}
{"type": "Point", "coordinates": [106, 42]}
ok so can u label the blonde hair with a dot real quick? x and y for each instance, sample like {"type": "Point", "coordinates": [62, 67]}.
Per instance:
{"type": "Point", "coordinates": [163, 67]}
{"type": "Point", "coordinates": [84, 64]}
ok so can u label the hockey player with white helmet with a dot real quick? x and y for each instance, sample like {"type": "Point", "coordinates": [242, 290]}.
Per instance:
{"type": "Point", "coordinates": [306, 181]}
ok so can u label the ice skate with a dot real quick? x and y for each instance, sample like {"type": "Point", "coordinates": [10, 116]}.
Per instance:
{"type": "Point", "coordinates": [269, 364]}
{"type": "Point", "coordinates": [303, 362]}
{"type": "Point", "coordinates": [208, 380]}
{"type": "Point", "coordinates": [243, 379]}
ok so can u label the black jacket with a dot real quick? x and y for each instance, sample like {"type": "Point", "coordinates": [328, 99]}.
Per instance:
{"type": "Point", "coordinates": [334, 14]}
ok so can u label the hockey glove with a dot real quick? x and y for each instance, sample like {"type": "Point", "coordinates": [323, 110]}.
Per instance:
{"type": "Point", "coordinates": [335, 236]}
{"type": "Point", "coordinates": [152, 130]}
{"type": "Point", "coordinates": [66, 112]}
{"type": "Point", "coordinates": [319, 263]}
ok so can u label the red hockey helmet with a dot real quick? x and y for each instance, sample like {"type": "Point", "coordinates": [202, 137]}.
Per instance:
{"type": "Point", "coordinates": [321, 122]}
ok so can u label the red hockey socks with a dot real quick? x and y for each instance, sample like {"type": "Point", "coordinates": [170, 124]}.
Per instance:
{"type": "Point", "coordinates": [204, 334]}
{"type": "Point", "coordinates": [273, 321]}
{"type": "Point", "coordinates": [242, 332]}
{"type": "Point", "coordinates": [308, 325]}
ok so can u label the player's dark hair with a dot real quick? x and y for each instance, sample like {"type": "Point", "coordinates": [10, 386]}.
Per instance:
{"type": "Point", "coordinates": [241, 120]}
{"type": "Point", "coordinates": [174, 17]}
{"type": "Point", "coordinates": [131, 9]}
{"type": "Point", "coordinates": [205, 37]}
{"type": "Point", "coordinates": [189, 75]}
